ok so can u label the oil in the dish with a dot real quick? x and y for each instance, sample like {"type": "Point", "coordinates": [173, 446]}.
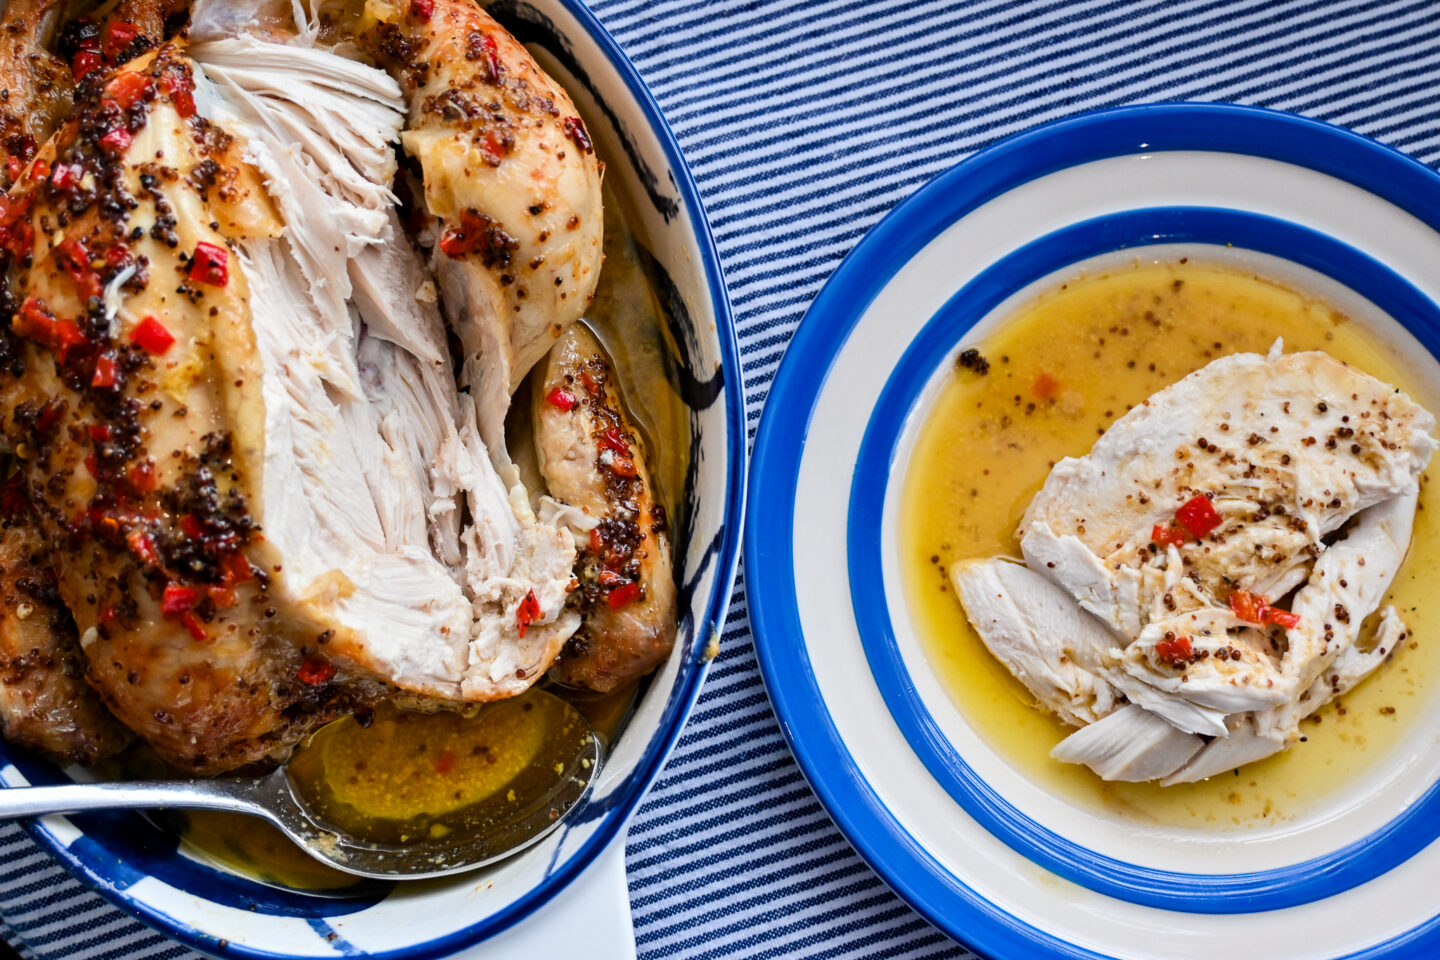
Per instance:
{"type": "Point", "coordinates": [1062, 370]}
{"type": "Point", "coordinates": [410, 777]}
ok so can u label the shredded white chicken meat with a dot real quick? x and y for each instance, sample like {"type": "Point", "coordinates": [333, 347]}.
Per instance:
{"type": "Point", "coordinates": [1196, 585]}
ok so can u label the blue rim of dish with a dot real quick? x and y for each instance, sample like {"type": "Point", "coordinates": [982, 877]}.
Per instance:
{"type": "Point", "coordinates": [851, 801]}
{"type": "Point", "coordinates": [935, 345]}
{"type": "Point", "coordinates": [623, 801]}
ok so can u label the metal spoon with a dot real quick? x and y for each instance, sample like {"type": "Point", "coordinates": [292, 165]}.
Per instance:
{"type": "Point", "coordinates": [275, 798]}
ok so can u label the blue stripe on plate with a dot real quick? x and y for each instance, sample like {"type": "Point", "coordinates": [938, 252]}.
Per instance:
{"type": "Point", "coordinates": [784, 212]}
{"type": "Point", "coordinates": [934, 346]}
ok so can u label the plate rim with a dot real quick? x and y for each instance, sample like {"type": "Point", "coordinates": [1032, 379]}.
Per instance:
{"type": "Point", "coordinates": [850, 800]}
{"type": "Point", "coordinates": [624, 801]}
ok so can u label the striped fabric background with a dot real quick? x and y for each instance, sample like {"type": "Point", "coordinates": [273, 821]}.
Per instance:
{"type": "Point", "coordinates": [804, 122]}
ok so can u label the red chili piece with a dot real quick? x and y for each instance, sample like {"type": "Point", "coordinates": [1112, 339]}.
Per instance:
{"type": "Point", "coordinates": [17, 234]}
{"type": "Point", "coordinates": [446, 763]}
{"type": "Point", "coordinates": [1045, 386]}
{"type": "Point", "coordinates": [107, 372]}
{"type": "Point", "coordinates": [1175, 652]}
{"type": "Point", "coordinates": [142, 476]}
{"type": "Point", "coordinates": [49, 416]}
{"type": "Point", "coordinates": [1198, 516]}
{"type": "Point", "coordinates": [180, 88]}
{"type": "Point", "coordinates": [67, 176]}
{"type": "Point", "coordinates": [612, 440]}
{"type": "Point", "coordinates": [422, 10]}
{"type": "Point", "coordinates": [210, 264]}
{"type": "Point", "coordinates": [1166, 535]}
{"type": "Point", "coordinates": [118, 37]}
{"type": "Point", "coordinates": [143, 546]}
{"type": "Point", "coordinates": [117, 141]}
{"type": "Point", "coordinates": [129, 88]}
{"type": "Point", "coordinates": [623, 467]}
{"type": "Point", "coordinates": [314, 672]}
{"type": "Point", "coordinates": [194, 625]}
{"type": "Point", "coordinates": [38, 324]}
{"type": "Point", "coordinates": [623, 595]}
{"type": "Point", "coordinates": [152, 336]}
{"type": "Point", "coordinates": [84, 62]}
{"type": "Point", "coordinates": [177, 599]}
{"type": "Point", "coordinates": [563, 399]}
{"type": "Point", "coordinates": [1284, 618]}
{"type": "Point", "coordinates": [74, 257]}
{"type": "Point", "coordinates": [527, 612]}
{"type": "Point", "coordinates": [575, 129]}
{"type": "Point", "coordinates": [1248, 606]}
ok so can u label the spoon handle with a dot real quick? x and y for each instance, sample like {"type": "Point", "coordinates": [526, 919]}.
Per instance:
{"type": "Point", "coordinates": [230, 795]}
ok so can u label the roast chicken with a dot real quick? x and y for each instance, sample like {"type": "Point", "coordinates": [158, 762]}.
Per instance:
{"type": "Point", "coordinates": [257, 482]}
{"type": "Point", "coordinates": [1201, 581]}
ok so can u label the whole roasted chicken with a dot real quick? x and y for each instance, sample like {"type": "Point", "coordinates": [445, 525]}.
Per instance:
{"type": "Point", "coordinates": [255, 406]}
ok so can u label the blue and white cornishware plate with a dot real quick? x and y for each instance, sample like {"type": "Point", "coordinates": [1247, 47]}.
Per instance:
{"type": "Point", "coordinates": [990, 856]}
{"type": "Point", "coordinates": [139, 869]}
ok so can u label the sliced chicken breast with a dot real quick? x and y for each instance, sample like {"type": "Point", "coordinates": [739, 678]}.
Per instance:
{"type": "Point", "coordinates": [1252, 478]}
{"type": "Point", "coordinates": [511, 175]}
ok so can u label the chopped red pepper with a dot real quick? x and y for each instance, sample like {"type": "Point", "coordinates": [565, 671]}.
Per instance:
{"type": "Point", "coordinates": [107, 372]}
{"type": "Point", "coordinates": [597, 540]}
{"type": "Point", "coordinates": [119, 256]}
{"type": "Point", "coordinates": [74, 257]}
{"type": "Point", "coordinates": [180, 88]}
{"type": "Point", "coordinates": [129, 88]}
{"type": "Point", "coordinates": [314, 672]}
{"type": "Point", "coordinates": [142, 476]}
{"type": "Point", "coordinates": [38, 324]}
{"type": "Point", "coordinates": [563, 399]}
{"type": "Point", "coordinates": [191, 526]}
{"type": "Point", "coordinates": [84, 62]}
{"type": "Point", "coordinates": [143, 546]}
{"type": "Point", "coordinates": [118, 37]}
{"type": "Point", "coordinates": [67, 176]}
{"type": "Point", "coordinates": [152, 336]}
{"type": "Point", "coordinates": [1045, 386]}
{"type": "Point", "coordinates": [446, 763]}
{"type": "Point", "coordinates": [1284, 618]}
{"type": "Point", "coordinates": [612, 440]}
{"type": "Point", "coordinates": [1175, 652]}
{"type": "Point", "coordinates": [492, 57]}
{"type": "Point", "coordinates": [40, 169]}
{"type": "Point", "coordinates": [623, 595]}
{"type": "Point", "coordinates": [14, 166]}
{"type": "Point", "coordinates": [527, 612]}
{"type": "Point", "coordinates": [623, 467]}
{"type": "Point", "coordinates": [49, 416]}
{"type": "Point", "coordinates": [1166, 535]}
{"type": "Point", "coordinates": [92, 463]}
{"type": "Point", "coordinates": [574, 128]}
{"type": "Point", "coordinates": [99, 432]}
{"type": "Point", "coordinates": [234, 568]}
{"type": "Point", "coordinates": [222, 597]}
{"type": "Point", "coordinates": [210, 264]}
{"type": "Point", "coordinates": [590, 385]}
{"type": "Point", "coordinates": [1198, 516]}
{"type": "Point", "coordinates": [422, 10]}
{"type": "Point", "coordinates": [117, 141]}
{"type": "Point", "coordinates": [194, 625]}
{"type": "Point", "coordinates": [1249, 607]}
{"type": "Point", "coordinates": [17, 234]}
{"type": "Point", "coordinates": [177, 599]}
{"type": "Point", "coordinates": [609, 578]}
{"type": "Point", "coordinates": [107, 615]}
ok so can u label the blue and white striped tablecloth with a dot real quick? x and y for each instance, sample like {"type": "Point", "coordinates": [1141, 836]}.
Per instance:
{"type": "Point", "coordinates": [804, 123]}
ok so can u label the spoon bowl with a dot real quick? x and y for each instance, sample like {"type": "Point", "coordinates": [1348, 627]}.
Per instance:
{"type": "Point", "coordinates": [293, 808]}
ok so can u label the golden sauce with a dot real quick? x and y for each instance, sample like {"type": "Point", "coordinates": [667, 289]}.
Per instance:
{"type": "Point", "coordinates": [411, 777]}
{"type": "Point", "coordinates": [1103, 344]}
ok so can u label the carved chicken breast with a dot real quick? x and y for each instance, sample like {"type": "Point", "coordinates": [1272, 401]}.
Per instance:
{"type": "Point", "coordinates": [1221, 545]}
{"type": "Point", "coordinates": [512, 178]}
{"type": "Point", "coordinates": [265, 490]}
{"type": "Point", "coordinates": [594, 460]}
